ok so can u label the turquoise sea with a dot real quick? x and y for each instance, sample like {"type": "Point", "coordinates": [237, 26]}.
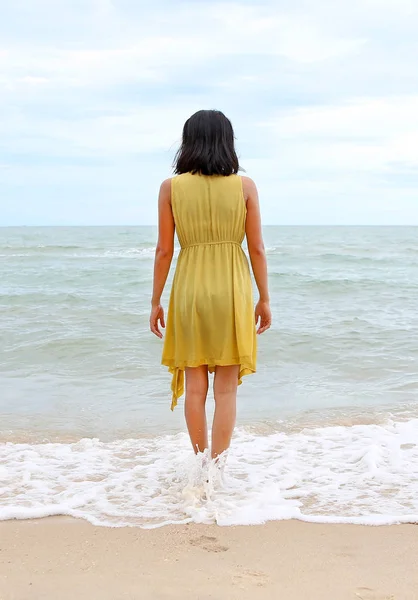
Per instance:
{"type": "Point", "coordinates": [327, 428]}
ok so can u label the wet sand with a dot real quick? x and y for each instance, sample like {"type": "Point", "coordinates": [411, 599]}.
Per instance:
{"type": "Point", "coordinates": [60, 558]}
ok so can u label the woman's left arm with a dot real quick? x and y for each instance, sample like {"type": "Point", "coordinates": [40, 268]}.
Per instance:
{"type": "Point", "coordinates": [163, 255]}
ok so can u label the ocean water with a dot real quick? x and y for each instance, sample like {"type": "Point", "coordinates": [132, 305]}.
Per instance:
{"type": "Point", "coordinates": [327, 428]}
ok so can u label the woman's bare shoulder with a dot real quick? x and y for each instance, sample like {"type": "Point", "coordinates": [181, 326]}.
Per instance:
{"type": "Point", "coordinates": [165, 190]}
{"type": "Point", "coordinates": [166, 184]}
{"type": "Point", "coordinates": [248, 186]}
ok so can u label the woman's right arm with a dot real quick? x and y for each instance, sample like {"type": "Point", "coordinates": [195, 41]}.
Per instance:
{"type": "Point", "coordinates": [257, 254]}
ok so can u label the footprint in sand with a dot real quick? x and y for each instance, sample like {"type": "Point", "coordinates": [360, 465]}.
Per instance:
{"type": "Point", "coordinates": [366, 593]}
{"type": "Point", "coordinates": [248, 577]}
{"type": "Point", "coordinates": [208, 543]}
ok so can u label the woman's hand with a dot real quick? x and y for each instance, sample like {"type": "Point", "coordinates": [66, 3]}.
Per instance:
{"type": "Point", "coordinates": [157, 314]}
{"type": "Point", "coordinates": [262, 316]}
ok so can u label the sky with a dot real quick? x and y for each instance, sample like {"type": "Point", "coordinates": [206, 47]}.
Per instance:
{"type": "Point", "coordinates": [323, 97]}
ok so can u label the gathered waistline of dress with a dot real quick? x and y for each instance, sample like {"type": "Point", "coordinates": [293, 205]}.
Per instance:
{"type": "Point", "coordinates": [212, 244]}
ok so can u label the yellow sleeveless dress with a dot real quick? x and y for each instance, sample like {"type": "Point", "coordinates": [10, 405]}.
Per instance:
{"type": "Point", "coordinates": [210, 317]}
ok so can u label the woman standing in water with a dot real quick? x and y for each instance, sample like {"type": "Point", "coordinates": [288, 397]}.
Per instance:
{"type": "Point", "coordinates": [210, 325]}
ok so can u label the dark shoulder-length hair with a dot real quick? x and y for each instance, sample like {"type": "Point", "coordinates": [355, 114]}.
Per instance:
{"type": "Point", "coordinates": [207, 145]}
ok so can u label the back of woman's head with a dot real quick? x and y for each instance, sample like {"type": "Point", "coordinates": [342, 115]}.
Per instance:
{"type": "Point", "coordinates": [207, 146]}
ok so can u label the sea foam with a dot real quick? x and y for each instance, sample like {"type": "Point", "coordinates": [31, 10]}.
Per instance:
{"type": "Point", "coordinates": [358, 474]}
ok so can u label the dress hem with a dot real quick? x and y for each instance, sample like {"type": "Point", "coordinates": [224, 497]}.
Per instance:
{"type": "Point", "coordinates": [177, 371]}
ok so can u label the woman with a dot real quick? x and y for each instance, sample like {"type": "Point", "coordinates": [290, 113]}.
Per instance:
{"type": "Point", "coordinates": [210, 324]}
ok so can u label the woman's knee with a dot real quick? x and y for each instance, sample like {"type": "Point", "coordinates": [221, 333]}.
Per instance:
{"type": "Point", "coordinates": [226, 380]}
{"type": "Point", "coordinates": [197, 380]}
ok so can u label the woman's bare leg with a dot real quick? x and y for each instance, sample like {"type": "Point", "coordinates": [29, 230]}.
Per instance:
{"type": "Point", "coordinates": [194, 407]}
{"type": "Point", "coordinates": [225, 392]}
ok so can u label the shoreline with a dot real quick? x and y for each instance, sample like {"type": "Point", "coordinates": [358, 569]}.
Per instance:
{"type": "Point", "coordinates": [66, 558]}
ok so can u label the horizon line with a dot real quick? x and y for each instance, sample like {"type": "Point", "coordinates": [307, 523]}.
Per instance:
{"type": "Point", "coordinates": [264, 226]}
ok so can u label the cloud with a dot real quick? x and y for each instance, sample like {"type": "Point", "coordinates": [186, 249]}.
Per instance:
{"type": "Point", "coordinates": [367, 135]}
{"type": "Point", "coordinates": [323, 96]}
{"type": "Point", "coordinates": [169, 44]}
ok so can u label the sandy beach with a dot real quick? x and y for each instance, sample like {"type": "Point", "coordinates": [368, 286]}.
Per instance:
{"type": "Point", "coordinates": [63, 558]}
